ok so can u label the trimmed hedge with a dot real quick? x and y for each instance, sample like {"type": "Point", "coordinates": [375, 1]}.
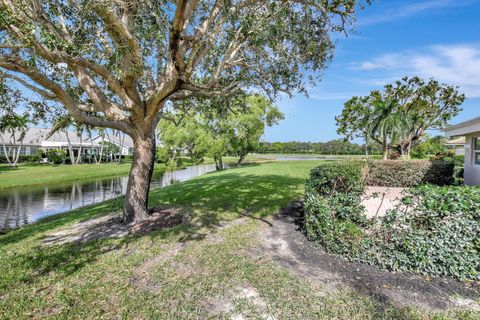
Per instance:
{"type": "Point", "coordinates": [22, 159]}
{"type": "Point", "coordinates": [434, 231]}
{"type": "Point", "coordinates": [398, 173]}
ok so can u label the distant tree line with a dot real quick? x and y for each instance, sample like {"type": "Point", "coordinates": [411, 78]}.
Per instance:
{"type": "Point", "coordinates": [338, 147]}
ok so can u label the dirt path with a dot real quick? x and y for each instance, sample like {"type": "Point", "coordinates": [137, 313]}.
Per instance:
{"type": "Point", "coordinates": [286, 245]}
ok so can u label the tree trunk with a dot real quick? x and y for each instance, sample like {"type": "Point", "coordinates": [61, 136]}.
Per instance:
{"type": "Point", "coordinates": [17, 155]}
{"type": "Point", "coordinates": [409, 149]}
{"type": "Point", "coordinates": [136, 197]}
{"type": "Point", "coordinates": [91, 148]}
{"type": "Point", "coordinates": [240, 160]}
{"type": "Point", "coordinates": [101, 150]}
{"type": "Point", "coordinates": [70, 149]}
{"type": "Point", "coordinates": [366, 146]}
{"type": "Point", "coordinates": [218, 163]}
{"type": "Point", "coordinates": [122, 143]}
{"type": "Point", "coordinates": [385, 149]}
{"type": "Point", "coordinates": [6, 152]}
{"type": "Point", "coordinates": [80, 149]}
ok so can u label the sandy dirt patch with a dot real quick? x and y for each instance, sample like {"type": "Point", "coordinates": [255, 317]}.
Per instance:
{"type": "Point", "coordinates": [225, 305]}
{"type": "Point", "coordinates": [111, 226]}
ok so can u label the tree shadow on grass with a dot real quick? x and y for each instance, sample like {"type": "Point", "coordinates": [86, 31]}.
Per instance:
{"type": "Point", "coordinates": [52, 222]}
{"type": "Point", "coordinates": [229, 195]}
{"type": "Point", "coordinates": [6, 168]}
{"type": "Point", "coordinates": [209, 200]}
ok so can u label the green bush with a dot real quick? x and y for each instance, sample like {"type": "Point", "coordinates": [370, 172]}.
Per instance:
{"type": "Point", "coordinates": [21, 159]}
{"type": "Point", "coordinates": [128, 157]}
{"type": "Point", "coordinates": [337, 177]}
{"type": "Point", "coordinates": [397, 173]}
{"type": "Point", "coordinates": [333, 207]}
{"type": "Point", "coordinates": [459, 160]}
{"type": "Point", "coordinates": [37, 156]}
{"type": "Point", "coordinates": [56, 156]}
{"type": "Point", "coordinates": [434, 231]}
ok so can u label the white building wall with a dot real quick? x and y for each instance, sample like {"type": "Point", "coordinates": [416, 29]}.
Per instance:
{"type": "Point", "coordinates": [472, 170]}
{"type": "Point", "coordinates": [460, 150]}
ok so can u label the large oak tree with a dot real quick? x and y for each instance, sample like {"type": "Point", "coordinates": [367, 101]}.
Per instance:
{"type": "Point", "coordinates": [118, 63]}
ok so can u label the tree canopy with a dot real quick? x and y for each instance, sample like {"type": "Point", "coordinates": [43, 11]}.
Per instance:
{"type": "Point", "coordinates": [109, 62]}
{"type": "Point", "coordinates": [399, 116]}
{"type": "Point", "coordinates": [218, 127]}
{"type": "Point", "coordinates": [119, 64]}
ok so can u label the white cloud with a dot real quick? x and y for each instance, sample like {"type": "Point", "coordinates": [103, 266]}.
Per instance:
{"type": "Point", "coordinates": [386, 61]}
{"type": "Point", "coordinates": [412, 9]}
{"type": "Point", "coordinates": [456, 65]}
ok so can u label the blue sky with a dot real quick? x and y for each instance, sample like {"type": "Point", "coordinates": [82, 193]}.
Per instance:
{"type": "Point", "coordinates": [428, 38]}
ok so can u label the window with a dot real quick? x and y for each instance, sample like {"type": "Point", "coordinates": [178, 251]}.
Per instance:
{"type": "Point", "coordinates": [476, 151]}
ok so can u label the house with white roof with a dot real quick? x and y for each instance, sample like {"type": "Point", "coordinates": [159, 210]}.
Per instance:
{"type": "Point", "coordinates": [457, 145]}
{"type": "Point", "coordinates": [471, 131]}
{"type": "Point", "coordinates": [38, 138]}
{"type": "Point", "coordinates": [124, 142]}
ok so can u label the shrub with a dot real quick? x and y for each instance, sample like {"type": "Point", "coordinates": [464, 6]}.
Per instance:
{"type": "Point", "coordinates": [435, 230]}
{"type": "Point", "coordinates": [337, 177]}
{"type": "Point", "coordinates": [459, 160]}
{"type": "Point", "coordinates": [56, 156]}
{"type": "Point", "coordinates": [399, 173]}
{"type": "Point", "coordinates": [128, 157]}
{"type": "Point", "coordinates": [430, 234]}
{"type": "Point", "coordinates": [21, 159]}
{"type": "Point", "coordinates": [444, 155]}
{"type": "Point", "coordinates": [37, 156]}
{"type": "Point", "coordinates": [333, 207]}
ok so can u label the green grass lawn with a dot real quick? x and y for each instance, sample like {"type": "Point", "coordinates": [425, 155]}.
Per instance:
{"type": "Point", "coordinates": [302, 155]}
{"type": "Point", "coordinates": [37, 174]}
{"type": "Point", "coordinates": [141, 277]}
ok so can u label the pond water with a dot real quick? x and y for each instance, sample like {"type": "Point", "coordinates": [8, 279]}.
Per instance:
{"type": "Point", "coordinates": [20, 206]}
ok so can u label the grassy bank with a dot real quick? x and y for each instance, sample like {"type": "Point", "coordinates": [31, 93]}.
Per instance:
{"type": "Point", "coordinates": [38, 174]}
{"type": "Point", "coordinates": [187, 272]}
{"type": "Point", "coordinates": [304, 155]}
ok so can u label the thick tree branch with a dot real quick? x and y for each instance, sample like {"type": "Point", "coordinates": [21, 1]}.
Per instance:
{"type": "Point", "coordinates": [45, 94]}
{"type": "Point", "coordinates": [119, 30]}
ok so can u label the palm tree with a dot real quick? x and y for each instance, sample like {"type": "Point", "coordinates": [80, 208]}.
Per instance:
{"type": "Point", "coordinates": [11, 125]}
{"type": "Point", "coordinates": [388, 123]}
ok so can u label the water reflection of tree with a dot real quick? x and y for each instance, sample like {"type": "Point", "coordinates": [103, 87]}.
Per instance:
{"type": "Point", "coordinates": [16, 214]}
